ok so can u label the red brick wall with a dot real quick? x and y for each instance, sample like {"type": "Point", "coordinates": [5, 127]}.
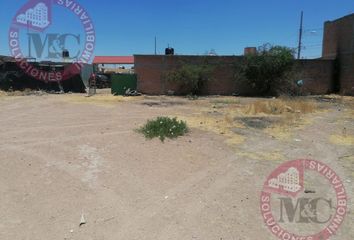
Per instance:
{"type": "Point", "coordinates": [317, 75]}
{"type": "Point", "coordinates": [150, 69]}
{"type": "Point", "coordinates": [338, 43]}
{"type": "Point", "coordinates": [320, 75]}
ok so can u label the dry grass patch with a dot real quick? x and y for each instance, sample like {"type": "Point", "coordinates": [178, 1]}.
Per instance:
{"type": "Point", "coordinates": [226, 101]}
{"type": "Point", "coordinates": [342, 140]}
{"type": "Point", "coordinates": [278, 117]}
{"type": "Point", "coordinates": [26, 92]}
{"type": "Point", "coordinates": [102, 100]}
{"type": "Point", "coordinates": [281, 106]}
{"type": "Point", "coordinates": [274, 156]}
{"type": "Point", "coordinates": [259, 122]}
{"type": "Point", "coordinates": [3, 94]}
{"type": "Point", "coordinates": [220, 124]}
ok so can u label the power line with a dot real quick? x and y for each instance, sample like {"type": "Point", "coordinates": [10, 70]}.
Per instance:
{"type": "Point", "coordinates": [312, 42]}
{"type": "Point", "coordinates": [314, 45]}
{"type": "Point", "coordinates": [313, 29]}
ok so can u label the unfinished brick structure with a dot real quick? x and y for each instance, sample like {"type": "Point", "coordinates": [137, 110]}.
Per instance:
{"type": "Point", "coordinates": [151, 71]}
{"type": "Point", "coordinates": [332, 73]}
{"type": "Point", "coordinates": [317, 74]}
{"type": "Point", "coordinates": [338, 44]}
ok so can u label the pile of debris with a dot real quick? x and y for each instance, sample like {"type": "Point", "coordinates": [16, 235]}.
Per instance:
{"type": "Point", "coordinates": [12, 78]}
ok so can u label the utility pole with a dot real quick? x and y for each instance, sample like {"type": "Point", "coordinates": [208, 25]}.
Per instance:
{"type": "Point", "coordinates": [300, 35]}
{"type": "Point", "coordinates": [29, 40]}
{"type": "Point", "coordinates": [155, 46]}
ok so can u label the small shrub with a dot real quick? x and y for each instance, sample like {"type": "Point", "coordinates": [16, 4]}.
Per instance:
{"type": "Point", "coordinates": [191, 77]}
{"type": "Point", "coordinates": [192, 97]}
{"type": "Point", "coordinates": [164, 127]}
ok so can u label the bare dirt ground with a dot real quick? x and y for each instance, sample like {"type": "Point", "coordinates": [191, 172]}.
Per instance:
{"type": "Point", "coordinates": [64, 156]}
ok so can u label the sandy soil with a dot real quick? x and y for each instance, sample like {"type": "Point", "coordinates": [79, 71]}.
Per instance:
{"type": "Point", "coordinates": [67, 156]}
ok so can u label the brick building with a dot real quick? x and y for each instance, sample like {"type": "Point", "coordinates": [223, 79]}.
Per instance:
{"type": "Point", "coordinates": [338, 44]}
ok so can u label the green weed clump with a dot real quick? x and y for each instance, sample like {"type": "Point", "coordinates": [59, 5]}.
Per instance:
{"type": "Point", "coordinates": [164, 127]}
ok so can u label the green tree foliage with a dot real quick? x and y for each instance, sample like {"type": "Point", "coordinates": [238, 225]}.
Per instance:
{"type": "Point", "coordinates": [269, 71]}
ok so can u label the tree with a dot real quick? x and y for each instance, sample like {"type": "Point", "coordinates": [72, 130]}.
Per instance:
{"type": "Point", "coordinates": [269, 71]}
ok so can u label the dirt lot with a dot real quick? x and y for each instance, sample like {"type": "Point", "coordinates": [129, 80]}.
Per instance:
{"type": "Point", "coordinates": [64, 156]}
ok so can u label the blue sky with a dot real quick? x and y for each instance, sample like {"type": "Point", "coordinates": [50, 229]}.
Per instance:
{"type": "Point", "coordinates": [193, 26]}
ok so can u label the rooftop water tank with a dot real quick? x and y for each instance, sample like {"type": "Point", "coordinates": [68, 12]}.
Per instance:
{"type": "Point", "coordinates": [170, 51]}
{"type": "Point", "coordinates": [250, 51]}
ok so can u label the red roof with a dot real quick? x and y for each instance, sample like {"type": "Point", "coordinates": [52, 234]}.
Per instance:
{"type": "Point", "coordinates": [113, 60]}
